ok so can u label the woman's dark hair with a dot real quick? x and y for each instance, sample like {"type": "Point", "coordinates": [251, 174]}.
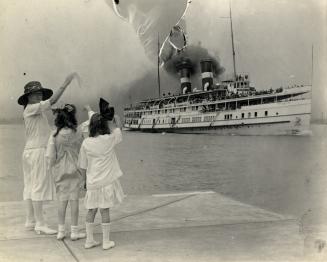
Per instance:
{"type": "Point", "coordinates": [98, 125]}
{"type": "Point", "coordinates": [65, 117]}
{"type": "Point", "coordinates": [25, 102]}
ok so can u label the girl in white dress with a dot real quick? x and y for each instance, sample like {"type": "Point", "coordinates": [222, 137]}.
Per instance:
{"type": "Point", "coordinates": [98, 161]}
{"type": "Point", "coordinates": [38, 185]}
{"type": "Point", "coordinates": [62, 155]}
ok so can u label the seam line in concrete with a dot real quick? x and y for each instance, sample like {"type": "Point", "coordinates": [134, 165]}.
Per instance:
{"type": "Point", "coordinates": [70, 251]}
{"type": "Point", "coordinates": [152, 208]}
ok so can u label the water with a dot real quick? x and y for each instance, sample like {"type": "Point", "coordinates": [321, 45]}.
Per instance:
{"type": "Point", "coordinates": [285, 174]}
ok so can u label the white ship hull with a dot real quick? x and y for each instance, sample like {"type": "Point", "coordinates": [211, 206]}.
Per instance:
{"type": "Point", "coordinates": [282, 118]}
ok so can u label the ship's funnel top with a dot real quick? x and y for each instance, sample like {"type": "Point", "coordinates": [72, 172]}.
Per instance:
{"type": "Point", "coordinates": [184, 68]}
{"type": "Point", "coordinates": [207, 74]}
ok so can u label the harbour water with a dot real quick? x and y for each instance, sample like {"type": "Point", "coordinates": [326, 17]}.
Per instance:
{"type": "Point", "coordinates": [285, 174]}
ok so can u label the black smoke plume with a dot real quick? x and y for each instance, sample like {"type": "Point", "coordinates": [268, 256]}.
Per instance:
{"type": "Point", "coordinates": [192, 55]}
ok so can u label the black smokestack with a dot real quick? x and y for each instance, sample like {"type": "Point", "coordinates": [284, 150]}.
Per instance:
{"type": "Point", "coordinates": [185, 68]}
{"type": "Point", "coordinates": [206, 74]}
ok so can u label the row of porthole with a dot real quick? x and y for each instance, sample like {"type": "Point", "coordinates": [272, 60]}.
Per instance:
{"type": "Point", "coordinates": [230, 116]}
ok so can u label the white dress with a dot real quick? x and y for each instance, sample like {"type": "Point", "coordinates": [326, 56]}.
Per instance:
{"type": "Point", "coordinates": [98, 157]}
{"type": "Point", "coordinates": [38, 184]}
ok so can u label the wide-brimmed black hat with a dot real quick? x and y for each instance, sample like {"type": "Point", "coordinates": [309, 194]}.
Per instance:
{"type": "Point", "coordinates": [32, 87]}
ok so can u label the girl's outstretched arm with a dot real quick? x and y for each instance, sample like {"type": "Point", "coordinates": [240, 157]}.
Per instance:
{"type": "Point", "coordinates": [89, 111]}
{"type": "Point", "coordinates": [62, 89]}
{"type": "Point", "coordinates": [117, 121]}
{"type": "Point", "coordinates": [115, 126]}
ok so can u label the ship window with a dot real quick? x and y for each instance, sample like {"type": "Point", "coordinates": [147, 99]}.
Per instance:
{"type": "Point", "coordinates": [276, 113]}
{"type": "Point", "coordinates": [166, 111]}
{"type": "Point", "coordinates": [186, 120]}
{"type": "Point", "coordinates": [208, 118]}
{"type": "Point", "coordinates": [266, 113]}
{"type": "Point", "coordinates": [249, 115]}
{"type": "Point", "coordinates": [255, 114]}
{"type": "Point", "coordinates": [230, 116]}
{"type": "Point", "coordinates": [242, 115]}
{"type": "Point", "coordinates": [196, 119]}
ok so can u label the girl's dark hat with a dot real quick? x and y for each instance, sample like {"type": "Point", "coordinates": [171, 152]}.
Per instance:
{"type": "Point", "coordinates": [32, 87]}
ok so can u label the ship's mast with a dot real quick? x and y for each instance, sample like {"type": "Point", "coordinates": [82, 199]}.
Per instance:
{"type": "Point", "coordinates": [158, 67]}
{"type": "Point", "coordinates": [232, 35]}
{"type": "Point", "coordinates": [311, 65]}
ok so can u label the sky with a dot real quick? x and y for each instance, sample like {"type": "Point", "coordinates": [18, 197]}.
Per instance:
{"type": "Point", "coordinates": [47, 40]}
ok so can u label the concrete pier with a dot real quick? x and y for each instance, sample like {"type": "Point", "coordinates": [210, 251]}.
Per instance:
{"type": "Point", "coordinates": [195, 226]}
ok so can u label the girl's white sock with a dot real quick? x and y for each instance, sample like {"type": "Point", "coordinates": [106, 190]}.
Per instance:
{"type": "Point", "coordinates": [106, 243]}
{"type": "Point", "coordinates": [90, 242]}
{"type": "Point", "coordinates": [89, 227]}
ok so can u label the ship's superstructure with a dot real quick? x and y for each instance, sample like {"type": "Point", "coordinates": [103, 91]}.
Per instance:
{"type": "Point", "coordinates": [227, 107]}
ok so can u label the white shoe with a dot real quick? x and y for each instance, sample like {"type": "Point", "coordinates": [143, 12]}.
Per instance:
{"type": "Point", "coordinates": [108, 245]}
{"type": "Point", "coordinates": [29, 225]}
{"type": "Point", "coordinates": [45, 230]}
{"type": "Point", "coordinates": [89, 244]}
{"type": "Point", "coordinates": [61, 235]}
{"type": "Point", "coordinates": [75, 235]}
{"type": "Point", "coordinates": [61, 232]}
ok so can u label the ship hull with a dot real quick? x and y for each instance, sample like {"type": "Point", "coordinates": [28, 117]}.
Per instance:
{"type": "Point", "coordinates": [288, 118]}
{"type": "Point", "coordinates": [280, 127]}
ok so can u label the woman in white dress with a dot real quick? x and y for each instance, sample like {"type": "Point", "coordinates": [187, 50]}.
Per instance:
{"type": "Point", "coordinates": [38, 184]}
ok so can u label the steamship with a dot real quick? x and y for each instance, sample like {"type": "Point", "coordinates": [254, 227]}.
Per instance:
{"type": "Point", "coordinates": [229, 107]}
